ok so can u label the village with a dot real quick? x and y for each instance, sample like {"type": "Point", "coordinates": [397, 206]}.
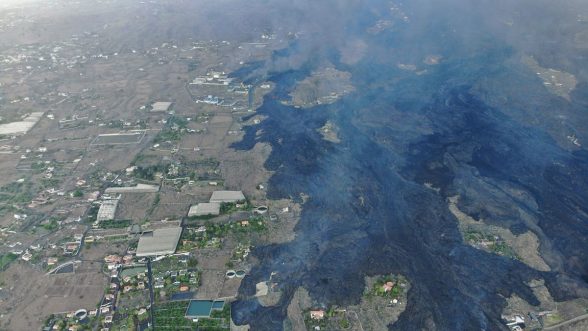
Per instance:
{"type": "Point", "coordinates": [162, 235]}
{"type": "Point", "coordinates": [145, 218]}
{"type": "Point", "coordinates": [158, 274]}
{"type": "Point", "coordinates": [125, 203]}
{"type": "Point", "coordinates": [122, 206]}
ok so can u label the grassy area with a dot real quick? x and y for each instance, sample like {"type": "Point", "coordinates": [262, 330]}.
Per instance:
{"type": "Point", "coordinates": [148, 172]}
{"type": "Point", "coordinates": [6, 259]}
{"type": "Point", "coordinates": [115, 224]}
{"type": "Point", "coordinates": [475, 236]}
{"type": "Point", "coordinates": [178, 122]}
{"type": "Point", "coordinates": [344, 323]}
{"type": "Point", "coordinates": [154, 204]}
{"type": "Point", "coordinates": [62, 323]}
{"type": "Point", "coordinates": [126, 323]}
{"type": "Point", "coordinates": [490, 242]}
{"type": "Point", "coordinates": [52, 225]}
{"type": "Point", "coordinates": [7, 209]}
{"type": "Point", "coordinates": [215, 232]}
{"type": "Point", "coordinates": [256, 224]}
{"type": "Point", "coordinates": [192, 262]}
{"type": "Point", "coordinates": [220, 319]}
{"type": "Point", "coordinates": [231, 207]}
{"type": "Point", "coordinates": [201, 217]}
{"type": "Point", "coordinates": [170, 316]}
{"type": "Point", "coordinates": [38, 167]}
{"type": "Point", "coordinates": [378, 288]}
{"type": "Point", "coordinates": [147, 168]}
{"type": "Point", "coordinates": [173, 130]}
{"type": "Point", "coordinates": [122, 237]}
{"type": "Point", "coordinates": [49, 182]}
{"type": "Point", "coordinates": [552, 319]}
{"type": "Point", "coordinates": [167, 264]}
{"type": "Point", "coordinates": [16, 193]}
{"type": "Point", "coordinates": [92, 213]}
{"type": "Point", "coordinates": [333, 320]}
{"type": "Point", "coordinates": [501, 248]}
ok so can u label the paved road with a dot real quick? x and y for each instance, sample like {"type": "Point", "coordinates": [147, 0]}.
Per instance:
{"type": "Point", "coordinates": [357, 317]}
{"type": "Point", "coordinates": [573, 320]}
{"type": "Point", "coordinates": [150, 275]}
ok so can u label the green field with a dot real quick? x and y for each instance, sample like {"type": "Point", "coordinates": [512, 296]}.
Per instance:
{"type": "Point", "coordinates": [170, 316]}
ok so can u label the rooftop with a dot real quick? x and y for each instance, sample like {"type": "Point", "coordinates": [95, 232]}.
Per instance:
{"type": "Point", "coordinates": [159, 242]}
{"type": "Point", "coordinates": [21, 127]}
{"type": "Point", "coordinates": [139, 188]}
{"type": "Point", "coordinates": [227, 196]}
{"type": "Point", "coordinates": [107, 210]}
{"type": "Point", "coordinates": [161, 106]}
{"type": "Point", "coordinates": [204, 208]}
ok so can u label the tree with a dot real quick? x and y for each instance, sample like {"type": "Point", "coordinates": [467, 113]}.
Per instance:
{"type": "Point", "coordinates": [192, 262]}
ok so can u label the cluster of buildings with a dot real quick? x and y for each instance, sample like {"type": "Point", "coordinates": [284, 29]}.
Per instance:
{"type": "Point", "coordinates": [115, 264]}
{"type": "Point", "coordinates": [138, 282]}
{"type": "Point", "coordinates": [73, 247]}
{"type": "Point", "coordinates": [73, 320]}
{"type": "Point", "coordinates": [189, 278]}
{"type": "Point", "coordinates": [212, 207]}
{"type": "Point", "coordinates": [514, 322]}
{"type": "Point", "coordinates": [213, 78]}
{"type": "Point", "coordinates": [206, 89]}
{"type": "Point", "coordinates": [210, 100]}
